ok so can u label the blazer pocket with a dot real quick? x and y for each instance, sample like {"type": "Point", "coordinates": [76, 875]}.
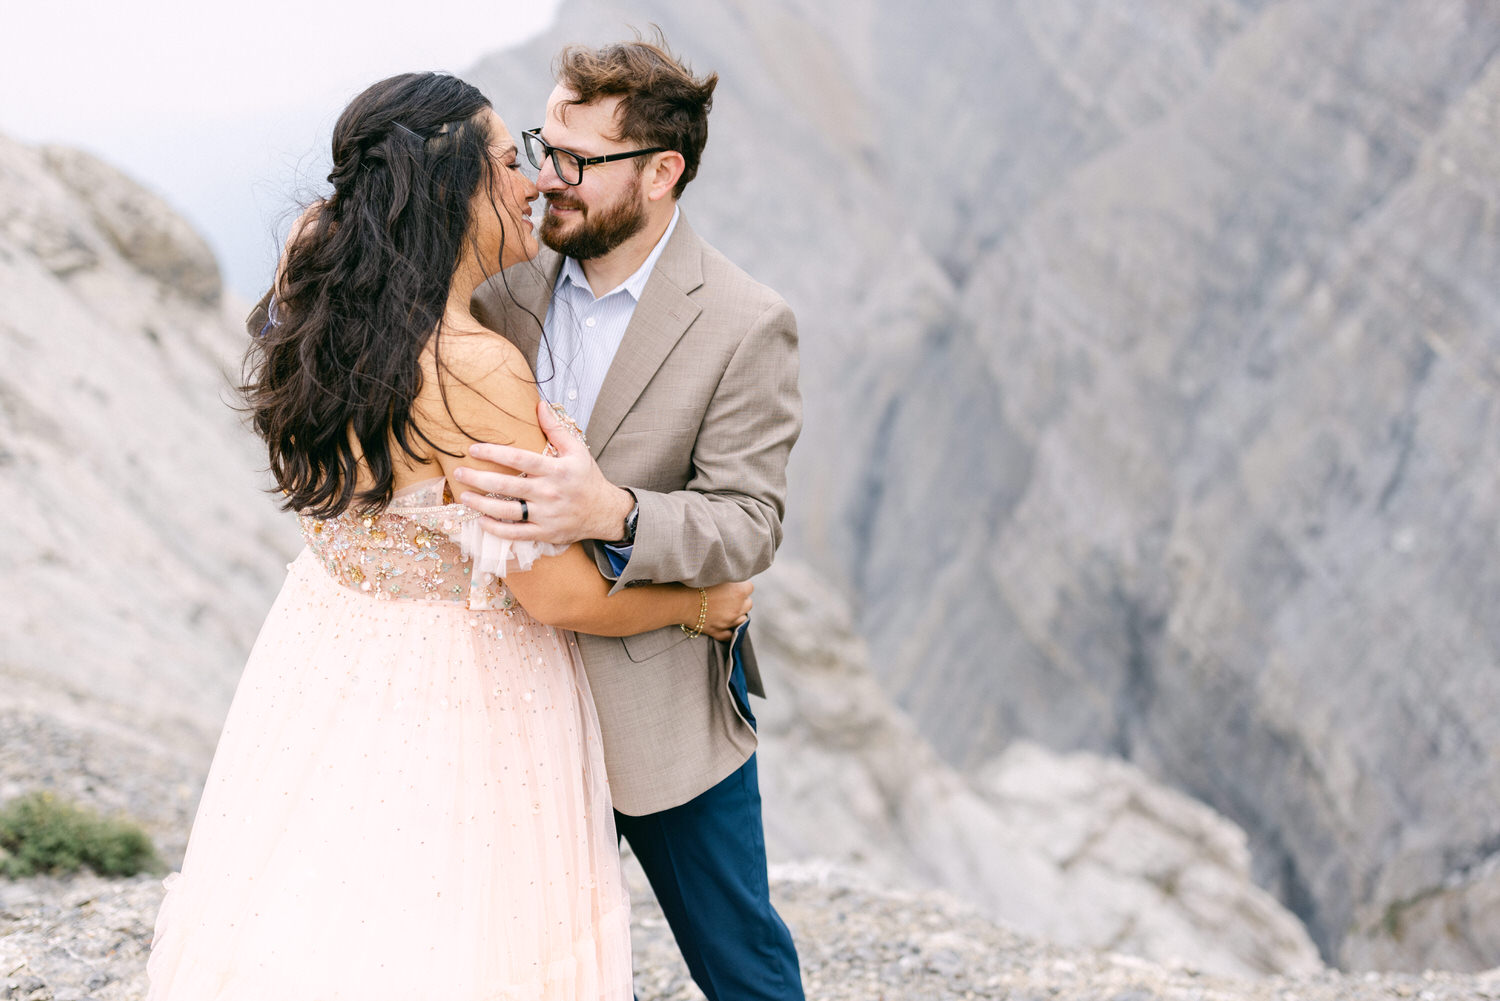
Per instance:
{"type": "Point", "coordinates": [644, 646]}
{"type": "Point", "coordinates": [678, 419]}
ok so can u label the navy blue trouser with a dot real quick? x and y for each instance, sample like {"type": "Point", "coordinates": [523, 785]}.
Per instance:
{"type": "Point", "coordinates": [706, 860]}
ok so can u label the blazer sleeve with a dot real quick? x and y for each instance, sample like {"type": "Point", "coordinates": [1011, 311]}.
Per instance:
{"type": "Point", "coordinates": [726, 523]}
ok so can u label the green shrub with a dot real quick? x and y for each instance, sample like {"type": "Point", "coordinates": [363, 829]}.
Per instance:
{"type": "Point", "coordinates": [41, 834]}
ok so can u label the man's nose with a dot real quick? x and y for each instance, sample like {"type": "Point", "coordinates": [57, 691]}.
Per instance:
{"type": "Point", "coordinates": [547, 179]}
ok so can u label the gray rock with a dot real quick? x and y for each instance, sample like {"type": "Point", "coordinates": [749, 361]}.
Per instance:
{"type": "Point", "coordinates": [140, 225]}
{"type": "Point", "coordinates": [140, 547]}
{"type": "Point", "coordinates": [116, 701]}
{"type": "Point", "coordinates": [1262, 478]}
{"type": "Point", "coordinates": [1151, 357]}
{"type": "Point", "coordinates": [1077, 850]}
{"type": "Point", "coordinates": [120, 708]}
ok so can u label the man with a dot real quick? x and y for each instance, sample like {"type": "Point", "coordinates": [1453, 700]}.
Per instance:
{"type": "Point", "coordinates": [683, 371]}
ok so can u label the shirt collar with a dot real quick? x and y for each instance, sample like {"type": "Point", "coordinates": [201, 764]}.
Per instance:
{"type": "Point", "coordinates": [572, 271]}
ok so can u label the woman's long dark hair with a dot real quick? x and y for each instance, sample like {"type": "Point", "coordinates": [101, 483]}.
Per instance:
{"type": "Point", "coordinates": [363, 287]}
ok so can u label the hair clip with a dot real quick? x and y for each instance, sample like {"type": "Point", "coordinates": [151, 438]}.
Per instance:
{"type": "Point", "coordinates": [409, 132]}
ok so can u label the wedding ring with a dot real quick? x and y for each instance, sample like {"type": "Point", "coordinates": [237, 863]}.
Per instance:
{"type": "Point", "coordinates": [525, 514]}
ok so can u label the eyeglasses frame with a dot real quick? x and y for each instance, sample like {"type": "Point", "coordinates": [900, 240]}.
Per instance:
{"type": "Point", "coordinates": [549, 152]}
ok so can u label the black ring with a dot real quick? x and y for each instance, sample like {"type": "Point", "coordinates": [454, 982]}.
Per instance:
{"type": "Point", "coordinates": [525, 514]}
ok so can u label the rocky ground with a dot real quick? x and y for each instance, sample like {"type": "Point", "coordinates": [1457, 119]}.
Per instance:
{"type": "Point", "coordinates": [86, 939]}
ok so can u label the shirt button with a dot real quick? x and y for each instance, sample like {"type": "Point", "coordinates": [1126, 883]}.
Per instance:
{"type": "Point", "coordinates": [572, 394]}
{"type": "Point", "coordinates": [589, 322]}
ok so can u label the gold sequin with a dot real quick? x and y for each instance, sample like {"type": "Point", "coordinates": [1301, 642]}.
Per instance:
{"type": "Point", "coordinates": [415, 537]}
{"type": "Point", "coordinates": [408, 552]}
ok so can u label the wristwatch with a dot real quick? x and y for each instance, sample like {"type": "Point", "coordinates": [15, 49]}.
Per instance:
{"type": "Point", "coordinates": [630, 522]}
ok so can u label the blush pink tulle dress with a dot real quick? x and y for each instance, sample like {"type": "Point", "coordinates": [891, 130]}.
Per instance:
{"type": "Point", "coordinates": [408, 800]}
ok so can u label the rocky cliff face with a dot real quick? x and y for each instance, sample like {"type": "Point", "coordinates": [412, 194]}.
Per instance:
{"type": "Point", "coordinates": [1152, 374]}
{"type": "Point", "coordinates": [1152, 366]}
{"type": "Point", "coordinates": [145, 554]}
{"type": "Point", "coordinates": [140, 547]}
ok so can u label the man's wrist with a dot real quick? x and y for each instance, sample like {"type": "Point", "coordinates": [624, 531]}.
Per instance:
{"type": "Point", "coordinates": [623, 506]}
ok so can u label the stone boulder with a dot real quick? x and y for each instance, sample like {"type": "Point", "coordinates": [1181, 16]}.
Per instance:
{"type": "Point", "coordinates": [1079, 850]}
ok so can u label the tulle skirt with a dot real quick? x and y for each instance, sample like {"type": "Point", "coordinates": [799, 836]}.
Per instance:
{"type": "Point", "coordinates": [407, 801]}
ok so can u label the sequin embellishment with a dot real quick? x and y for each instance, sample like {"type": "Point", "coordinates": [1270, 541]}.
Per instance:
{"type": "Point", "coordinates": [409, 551]}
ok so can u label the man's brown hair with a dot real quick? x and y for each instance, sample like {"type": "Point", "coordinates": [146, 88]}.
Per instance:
{"type": "Point", "coordinates": [661, 102]}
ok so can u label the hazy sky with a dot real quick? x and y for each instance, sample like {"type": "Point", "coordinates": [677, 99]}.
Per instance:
{"type": "Point", "coordinates": [225, 111]}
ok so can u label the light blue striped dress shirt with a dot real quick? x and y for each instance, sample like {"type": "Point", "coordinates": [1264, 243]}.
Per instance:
{"type": "Point", "coordinates": [584, 332]}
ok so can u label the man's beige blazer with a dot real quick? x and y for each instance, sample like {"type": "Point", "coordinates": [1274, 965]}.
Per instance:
{"type": "Point", "coordinates": [697, 415]}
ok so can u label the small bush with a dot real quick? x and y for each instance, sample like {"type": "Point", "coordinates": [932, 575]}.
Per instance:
{"type": "Point", "coordinates": [41, 834]}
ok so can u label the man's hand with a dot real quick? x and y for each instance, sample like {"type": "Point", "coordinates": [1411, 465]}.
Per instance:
{"type": "Point", "coordinates": [567, 497]}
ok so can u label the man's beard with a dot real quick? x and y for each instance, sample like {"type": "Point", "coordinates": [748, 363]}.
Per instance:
{"type": "Point", "coordinates": [600, 230]}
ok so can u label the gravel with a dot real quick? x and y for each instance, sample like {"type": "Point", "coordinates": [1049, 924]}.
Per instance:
{"type": "Point", "coordinates": [85, 938]}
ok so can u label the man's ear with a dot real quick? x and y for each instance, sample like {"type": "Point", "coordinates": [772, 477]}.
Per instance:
{"type": "Point", "coordinates": [663, 174]}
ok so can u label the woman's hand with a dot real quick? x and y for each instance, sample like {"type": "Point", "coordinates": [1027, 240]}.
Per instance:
{"type": "Point", "coordinates": [728, 606]}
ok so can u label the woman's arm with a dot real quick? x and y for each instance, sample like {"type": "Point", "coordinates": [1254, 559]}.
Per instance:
{"type": "Point", "coordinates": [491, 396]}
{"type": "Point", "coordinates": [567, 591]}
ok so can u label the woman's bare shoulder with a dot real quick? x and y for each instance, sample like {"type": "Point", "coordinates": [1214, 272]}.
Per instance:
{"type": "Point", "coordinates": [476, 353]}
{"type": "Point", "coordinates": [476, 384]}
{"type": "Point", "coordinates": [478, 364]}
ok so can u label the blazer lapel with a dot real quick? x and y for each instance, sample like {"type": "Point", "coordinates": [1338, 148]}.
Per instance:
{"type": "Point", "coordinates": [660, 319]}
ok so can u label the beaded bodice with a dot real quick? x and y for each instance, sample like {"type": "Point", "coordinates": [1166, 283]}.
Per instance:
{"type": "Point", "coordinates": [411, 551]}
{"type": "Point", "coordinates": [424, 547]}
{"type": "Point", "coordinates": [420, 548]}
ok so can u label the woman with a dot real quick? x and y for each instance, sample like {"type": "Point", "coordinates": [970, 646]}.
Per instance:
{"type": "Point", "coordinates": [408, 798]}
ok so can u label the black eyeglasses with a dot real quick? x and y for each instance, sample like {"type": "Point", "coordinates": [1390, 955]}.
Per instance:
{"type": "Point", "coordinates": [569, 166]}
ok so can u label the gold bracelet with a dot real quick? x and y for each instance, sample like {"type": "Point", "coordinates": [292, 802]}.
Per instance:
{"type": "Point", "coordinates": [702, 615]}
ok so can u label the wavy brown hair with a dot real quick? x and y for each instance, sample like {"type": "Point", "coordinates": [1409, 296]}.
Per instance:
{"type": "Point", "coordinates": [362, 289]}
{"type": "Point", "coordinates": [661, 102]}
